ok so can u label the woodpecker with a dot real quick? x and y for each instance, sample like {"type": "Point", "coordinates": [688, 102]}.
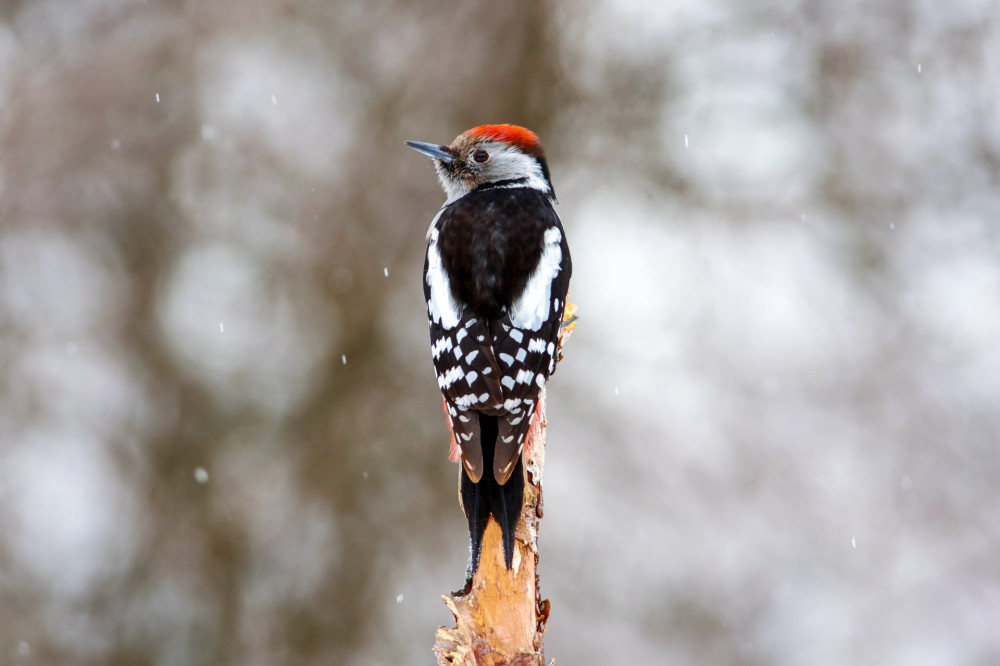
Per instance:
{"type": "Point", "coordinates": [496, 275]}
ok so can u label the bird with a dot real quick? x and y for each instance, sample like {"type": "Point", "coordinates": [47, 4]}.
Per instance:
{"type": "Point", "coordinates": [495, 279]}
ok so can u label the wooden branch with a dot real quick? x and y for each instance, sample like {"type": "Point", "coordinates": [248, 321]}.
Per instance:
{"type": "Point", "coordinates": [500, 616]}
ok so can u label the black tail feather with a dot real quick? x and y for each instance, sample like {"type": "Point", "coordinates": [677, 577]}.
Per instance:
{"type": "Point", "coordinates": [476, 503]}
{"type": "Point", "coordinates": [486, 498]}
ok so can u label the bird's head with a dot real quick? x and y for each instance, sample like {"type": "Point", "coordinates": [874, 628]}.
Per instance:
{"type": "Point", "coordinates": [489, 154]}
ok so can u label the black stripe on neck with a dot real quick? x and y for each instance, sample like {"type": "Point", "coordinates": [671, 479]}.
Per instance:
{"type": "Point", "coordinates": [501, 183]}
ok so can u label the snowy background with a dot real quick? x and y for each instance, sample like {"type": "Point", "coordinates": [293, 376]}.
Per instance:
{"type": "Point", "coordinates": [774, 439]}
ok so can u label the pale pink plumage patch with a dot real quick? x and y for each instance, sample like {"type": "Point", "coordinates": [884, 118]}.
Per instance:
{"type": "Point", "coordinates": [534, 431]}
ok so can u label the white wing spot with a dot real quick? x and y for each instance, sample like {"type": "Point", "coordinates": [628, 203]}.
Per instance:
{"type": "Point", "coordinates": [507, 358]}
{"type": "Point", "coordinates": [465, 400]}
{"type": "Point", "coordinates": [473, 354]}
{"type": "Point", "coordinates": [508, 382]}
{"type": "Point", "coordinates": [449, 378]}
{"type": "Point", "coordinates": [517, 335]}
{"type": "Point", "coordinates": [512, 404]}
{"type": "Point", "coordinates": [521, 354]}
{"type": "Point", "coordinates": [471, 377]}
{"type": "Point", "coordinates": [440, 346]}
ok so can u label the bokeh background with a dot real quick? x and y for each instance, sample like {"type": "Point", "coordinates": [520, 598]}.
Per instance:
{"type": "Point", "coordinates": [773, 441]}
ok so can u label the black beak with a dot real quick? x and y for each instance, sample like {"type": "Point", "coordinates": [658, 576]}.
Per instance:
{"type": "Point", "coordinates": [434, 150]}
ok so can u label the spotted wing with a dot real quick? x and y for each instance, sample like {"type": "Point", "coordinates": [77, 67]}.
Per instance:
{"type": "Point", "coordinates": [464, 362]}
{"type": "Point", "coordinates": [524, 341]}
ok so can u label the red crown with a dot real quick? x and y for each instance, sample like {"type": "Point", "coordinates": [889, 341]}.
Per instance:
{"type": "Point", "coordinates": [514, 135]}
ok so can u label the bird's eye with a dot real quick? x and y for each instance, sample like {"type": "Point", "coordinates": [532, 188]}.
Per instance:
{"type": "Point", "coordinates": [480, 156]}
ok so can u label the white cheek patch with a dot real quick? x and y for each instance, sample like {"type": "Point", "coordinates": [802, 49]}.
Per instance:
{"type": "Point", "coordinates": [511, 164]}
{"type": "Point", "coordinates": [533, 306]}
{"type": "Point", "coordinates": [441, 307]}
